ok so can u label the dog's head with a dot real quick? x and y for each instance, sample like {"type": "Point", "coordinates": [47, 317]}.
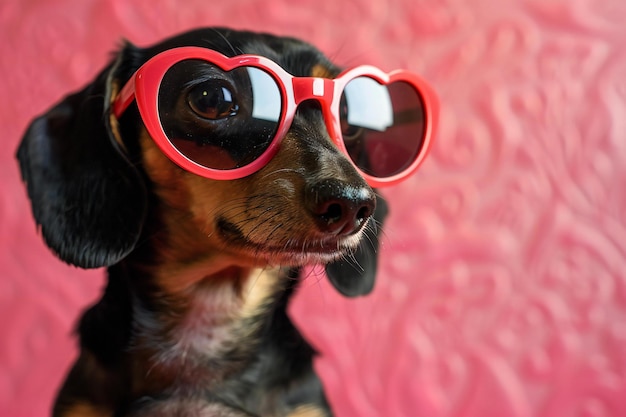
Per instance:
{"type": "Point", "coordinates": [99, 184]}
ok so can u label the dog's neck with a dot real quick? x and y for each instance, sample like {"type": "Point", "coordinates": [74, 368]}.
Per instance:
{"type": "Point", "coordinates": [220, 317]}
{"type": "Point", "coordinates": [196, 315]}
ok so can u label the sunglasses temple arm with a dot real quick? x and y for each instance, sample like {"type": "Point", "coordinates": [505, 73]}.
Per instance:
{"type": "Point", "coordinates": [124, 98]}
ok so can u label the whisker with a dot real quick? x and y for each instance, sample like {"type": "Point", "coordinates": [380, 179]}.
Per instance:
{"type": "Point", "coordinates": [281, 171]}
{"type": "Point", "coordinates": [236, 51]}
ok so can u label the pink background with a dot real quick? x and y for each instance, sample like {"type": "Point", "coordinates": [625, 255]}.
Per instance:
{"type": "Point", "coordinates": [502, 290]}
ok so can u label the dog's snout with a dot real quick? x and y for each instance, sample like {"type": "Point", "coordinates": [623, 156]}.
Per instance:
{"type": "Point", "coordinates": [340, 209]}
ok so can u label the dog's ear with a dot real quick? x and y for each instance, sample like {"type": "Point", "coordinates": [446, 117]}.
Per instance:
{"type": "Point", "coordinates": [355, 275]}
{"type": "Point", "coordinates": [85, 194]}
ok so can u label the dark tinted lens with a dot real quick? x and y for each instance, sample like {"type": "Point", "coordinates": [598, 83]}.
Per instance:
{"type": "Point", "coordinates": [221, 120]}
{"type": "Point", "coordinates": [382, 126]}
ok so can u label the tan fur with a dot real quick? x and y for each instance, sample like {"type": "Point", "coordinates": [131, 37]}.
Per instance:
{"type": "Point", "coordinates": [81, 409]}
{"type": "Point", "coordinates": [321, 71]}
{"type": "Point", "coordinates": [187, 206]}
{"type": "Point", "coordinates": [258, 288]}
{"type": "Point", "coordinates": [307, 411]}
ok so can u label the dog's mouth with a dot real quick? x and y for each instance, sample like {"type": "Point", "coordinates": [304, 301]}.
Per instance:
{"type": "Point", "coordinates": [297, 250]}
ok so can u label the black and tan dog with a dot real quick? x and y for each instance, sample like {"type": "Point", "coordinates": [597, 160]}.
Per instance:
{"type": "Point", "coordinates": [193, 319]}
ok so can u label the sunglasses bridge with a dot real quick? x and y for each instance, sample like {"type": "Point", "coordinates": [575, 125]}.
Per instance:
{"type": "Point", "coordinates": [320, 90]}
{"type": "Point", "coordinates": [313, 88]}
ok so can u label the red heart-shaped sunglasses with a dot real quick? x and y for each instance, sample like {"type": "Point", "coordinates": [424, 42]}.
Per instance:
{"type": "Point", "coordinates": [224, 118]}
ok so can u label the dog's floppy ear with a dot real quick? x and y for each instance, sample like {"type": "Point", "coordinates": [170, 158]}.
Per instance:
{"type": "Point", "coordinates": [85, 194]}
{"type": "Point", "coordinates": [355, 275]}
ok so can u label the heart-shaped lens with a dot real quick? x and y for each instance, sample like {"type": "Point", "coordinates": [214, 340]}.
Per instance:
{"type": "Point", "coordinates": [382, 125]}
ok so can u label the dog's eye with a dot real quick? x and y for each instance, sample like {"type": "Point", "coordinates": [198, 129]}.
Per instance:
{"type": "Point", "coordinates": [213, 101]}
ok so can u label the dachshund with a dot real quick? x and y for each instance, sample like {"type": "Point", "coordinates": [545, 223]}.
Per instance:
{"type": "Point", "coordinates": [204, 184]}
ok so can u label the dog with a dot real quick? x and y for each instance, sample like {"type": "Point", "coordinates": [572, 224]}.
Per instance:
{"type": "Point", "coordinates": [201, 265]}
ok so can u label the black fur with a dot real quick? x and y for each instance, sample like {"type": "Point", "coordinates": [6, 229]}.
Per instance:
{"type": "Point", "coordinates": [87, 198]}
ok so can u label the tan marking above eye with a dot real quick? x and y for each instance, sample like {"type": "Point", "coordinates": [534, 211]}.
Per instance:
{"type": "Point", "coordinates": [320, 71]}
{"type": "Point", "coordinates": [84, 409]}
{"type": "Point", "coordinates": [307, 411]}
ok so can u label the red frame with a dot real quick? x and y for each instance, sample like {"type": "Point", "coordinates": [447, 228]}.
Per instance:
{"type": "Point", "coordinates": [144, 87]}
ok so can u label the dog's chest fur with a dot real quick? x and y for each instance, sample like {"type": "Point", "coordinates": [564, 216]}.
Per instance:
{"type": "Point", "coordinates": [201, 338]}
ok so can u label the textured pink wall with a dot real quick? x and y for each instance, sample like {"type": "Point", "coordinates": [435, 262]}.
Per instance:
{"type": "Point", "coordinates": [503, 286]}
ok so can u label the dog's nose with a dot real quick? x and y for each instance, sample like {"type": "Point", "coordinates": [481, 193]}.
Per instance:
{"type": "Point", "coordinates": [340, 209]}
